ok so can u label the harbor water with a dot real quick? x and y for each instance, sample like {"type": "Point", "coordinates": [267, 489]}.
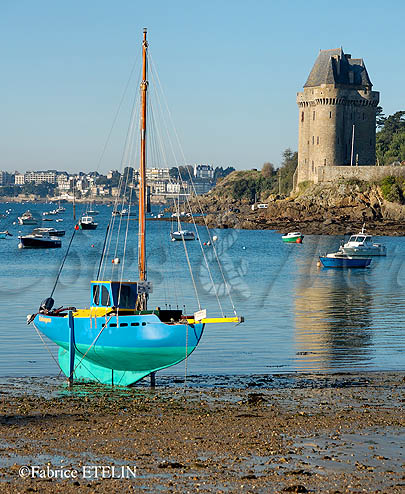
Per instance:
{"type": "Point", "coordinates": [298, 317]}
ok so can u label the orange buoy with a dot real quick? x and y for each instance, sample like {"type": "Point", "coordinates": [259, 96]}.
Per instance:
{"type": "Point", "coordinates": [299, 240]}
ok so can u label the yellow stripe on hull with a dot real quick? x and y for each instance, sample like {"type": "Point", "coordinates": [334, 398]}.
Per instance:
{"type": "Point", "coordinates": [216, 320]}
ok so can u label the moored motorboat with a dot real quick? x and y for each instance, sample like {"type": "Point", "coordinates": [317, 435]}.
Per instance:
{"type": "Point", "coordinates": [87, 223]}
{"type": "Point", "coordinates": [362, 245]}
{"type": "Point", "coordinates": [5, 234]}
{"type": "Point", "coordinates": [182, 235]}
{"type": "Point", "coordinates": [27, 219]}
{"type": "Point", "coordinates": [293, 237]}
{"type": "Point", "coordinates": [341, 260]}
{"type": "Point", "coordinates": [39, 241]}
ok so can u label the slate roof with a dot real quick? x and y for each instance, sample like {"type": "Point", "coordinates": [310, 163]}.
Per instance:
{"type": "Point", "coordinates": [336, 67]}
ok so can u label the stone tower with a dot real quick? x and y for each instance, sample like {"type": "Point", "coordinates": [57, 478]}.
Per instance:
{"type": "Point", "coordinates": [336, 97]}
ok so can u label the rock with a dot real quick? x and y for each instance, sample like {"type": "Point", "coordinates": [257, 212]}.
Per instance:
{"type": "Point", "coordinates": [295, 488]}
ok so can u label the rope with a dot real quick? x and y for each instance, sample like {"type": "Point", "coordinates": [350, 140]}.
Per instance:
{"type": "Point", "coordinates": [102, 252]}
{"type": "Point", "coordinates": [185, 361]}
{"type": "Point", "coordinates": [190, 208]}
{"type": "Point", "coordinates": [49, 350]}
{"type": "Point", "coordinates": [63, 262]}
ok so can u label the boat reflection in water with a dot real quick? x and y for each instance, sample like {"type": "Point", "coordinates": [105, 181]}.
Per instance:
{"type": "Point", "coordinates": [333, 320]}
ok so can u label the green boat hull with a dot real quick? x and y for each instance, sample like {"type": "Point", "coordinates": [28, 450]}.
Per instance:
{"type": "Point", "coordinates": [148, 361]}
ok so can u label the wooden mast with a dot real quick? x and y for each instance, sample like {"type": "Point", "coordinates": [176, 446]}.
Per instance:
{"type": "Point", "coordinates": [142, 168]}
{"type": "Point", "coordinates": [142, 298]}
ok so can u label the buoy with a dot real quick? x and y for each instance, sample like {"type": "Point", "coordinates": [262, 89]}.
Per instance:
{"type": "Point", "coordinates": [214, 238]}
{"type": "Point", "coordinates": [20, 246]}
{"type": "Point", "coordinates": [116, 260]}
{"type": "Point", "coordinates": [243, 248]}
{"type": "Point", "coordinates": [299, 240]}
{"type": "Point", "coordinates": [205, 243]}
{"type": "Point", "coordinates": [208, 243]}
{"type": "Point", "coordinates": [92, 245]}
{"type": "Point", "coordinates": [318, 264]}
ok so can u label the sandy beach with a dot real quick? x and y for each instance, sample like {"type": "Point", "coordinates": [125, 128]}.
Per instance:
{"type": "Point", "coordinates": [334, 433]}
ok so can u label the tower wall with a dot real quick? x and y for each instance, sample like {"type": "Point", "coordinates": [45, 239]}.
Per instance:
{"type": "Point", "coordinates": [336, 97]}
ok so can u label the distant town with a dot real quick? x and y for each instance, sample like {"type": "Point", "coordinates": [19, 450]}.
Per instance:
{"type": "Point", "coordinates": [163, 183]}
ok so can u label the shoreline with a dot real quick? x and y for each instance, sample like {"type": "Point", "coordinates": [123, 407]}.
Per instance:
{"type": "Point", "coordinates": [306, 432]}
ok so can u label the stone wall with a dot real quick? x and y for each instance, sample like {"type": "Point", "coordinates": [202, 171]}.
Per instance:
{"type": "Point", "coordinates": [370, 173]}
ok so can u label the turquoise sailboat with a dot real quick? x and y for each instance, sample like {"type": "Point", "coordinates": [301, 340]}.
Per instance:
{"type": "Point", "coordinates": [118, 340]}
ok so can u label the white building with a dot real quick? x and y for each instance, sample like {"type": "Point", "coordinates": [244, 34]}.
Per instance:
{"type": "Point", "coordinates": [19, 179]}
{"type": "Point", "coordinates": [203, 171]}
{"type": "Point", "coordinates": [41, 176]}
{"type": "Point", "coordinates": [157, 174]}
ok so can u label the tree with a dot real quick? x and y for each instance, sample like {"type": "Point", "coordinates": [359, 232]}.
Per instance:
{"type": "Point", "coordinates": [287, 170]}
{"type": "Point", "coordinates": [388, 141]}
{"type": "Point", "coordinates": [380, 117]}
{"type": "Point", "coordinates": [267, 169]}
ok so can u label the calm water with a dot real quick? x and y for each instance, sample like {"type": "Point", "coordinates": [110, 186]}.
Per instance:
{"type": "Point", "coordinates": [298, 317]}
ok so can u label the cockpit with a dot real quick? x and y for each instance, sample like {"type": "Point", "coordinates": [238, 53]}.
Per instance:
{"type": "Point", "coordinates": [118, 294]}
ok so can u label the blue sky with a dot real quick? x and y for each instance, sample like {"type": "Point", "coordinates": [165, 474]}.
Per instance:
{"type": "Point", "coordinates": [230, 69]}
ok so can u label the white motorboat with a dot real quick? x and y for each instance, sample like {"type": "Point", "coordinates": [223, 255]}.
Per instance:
{"type": "Point", "coordinates": [87, 223]}
{"type": "Point", "coordinates": [27, 219]}
{"type": "Point", "coordinates": [182, 235]}
{"type": "Point", "coordinates": [362, 245]}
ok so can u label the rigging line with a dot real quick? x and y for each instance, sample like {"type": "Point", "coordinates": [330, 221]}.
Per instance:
{"type": "Point", "coordinates": [202, 250]}
{"type": "Point", "coordinates": [184, 244]}
{"type": "Point", "coordinates": [185, 360]}
{"type": "Point", "coordinates": [153, 72]}
{"type": "Point", "coordinates": [102, 252]}
{"type": "Point", "coordinates": [125, 240]}
{"type": "Point", "coordinates": [126, 158]}
{"type": "Point", "coordinates": [118, 110]}
{"type": "Point", "coordinates": [63, 261]}
{"type": "Point", "coordinates": [199, 205]}
{"type": "Point", "coordinates": [120, 183]}
{"type": "Point", "coordinates": [44, 342]}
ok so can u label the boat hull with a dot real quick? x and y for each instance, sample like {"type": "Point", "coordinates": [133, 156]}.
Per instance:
{"type": "Point", "coordinates": [88, 226]}
{"type": "Point", "coordinates": [40, 243]}
{"type": "Point", "coordinates": [124, 351]}
{"type": "Point", "coordinates": [336, 262]}
{"type": "Point", "coordinates": [179, 236]}
{"type": "Point", "coordinates": [293, 240]}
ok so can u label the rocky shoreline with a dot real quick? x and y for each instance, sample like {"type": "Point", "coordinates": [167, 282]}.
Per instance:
{"type": "Point", "coordinates": [331, 433]}
{"type": "Point", "coordinates": [325, 209]}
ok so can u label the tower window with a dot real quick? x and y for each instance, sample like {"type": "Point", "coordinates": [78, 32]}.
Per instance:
{"type": "Point", "coordinates": [313, 139]}
{"type": "Point", "coordinates": [330, 114]}
{"type": "Point", "coordinates": [324, 161]}
{"type": "Point", "coordinates": [302, 116]}
{"type": "Point", "coordinates": [317, 140]}
{"type": "Point", "coordinates": [313, 116]}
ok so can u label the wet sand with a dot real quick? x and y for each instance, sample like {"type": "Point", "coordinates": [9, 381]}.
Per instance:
{"type": "Point", "coordinates": [333, 433]}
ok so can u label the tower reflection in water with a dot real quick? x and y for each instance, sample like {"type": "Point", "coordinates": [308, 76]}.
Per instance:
{"type": "Point", "coordinates": [333, 320]}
